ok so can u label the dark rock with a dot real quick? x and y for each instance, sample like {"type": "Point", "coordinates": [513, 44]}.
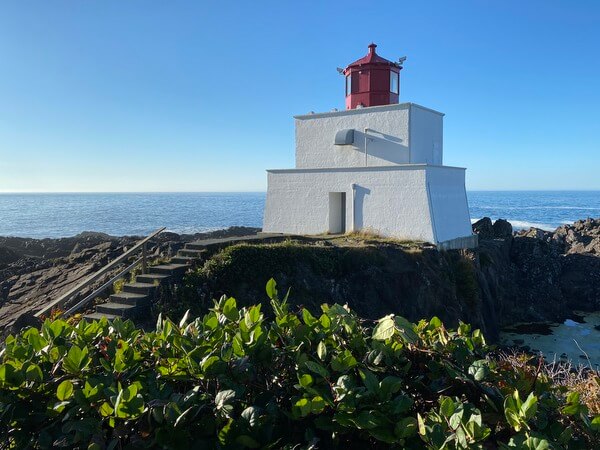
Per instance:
{"type": "Point", "coordinates": [536, 233]}
{"type": "Point", "coordinates": [502, 229]}
{"type": "Point", "coordinates": [7, 256]}
{"type": "Point", "coordinates": [484, 228]}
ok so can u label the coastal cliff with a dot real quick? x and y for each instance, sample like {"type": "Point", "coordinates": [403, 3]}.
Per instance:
{"type": "Point", "coordinates": [529, 276]}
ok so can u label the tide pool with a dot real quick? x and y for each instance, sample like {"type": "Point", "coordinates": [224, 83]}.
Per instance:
{"type": "Point", "coordinates": [577, 340]}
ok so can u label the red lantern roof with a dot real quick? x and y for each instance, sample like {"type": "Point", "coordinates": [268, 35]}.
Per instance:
{"type": "Point", "coordinates": [372, 58]}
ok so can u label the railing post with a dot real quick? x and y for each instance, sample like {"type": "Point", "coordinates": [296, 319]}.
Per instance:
{"type": "Point", "coordinates": [144, 265]}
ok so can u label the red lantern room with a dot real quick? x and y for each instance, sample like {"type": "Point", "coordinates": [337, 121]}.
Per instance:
{"type": "Point", "coordinates": [372, 81]}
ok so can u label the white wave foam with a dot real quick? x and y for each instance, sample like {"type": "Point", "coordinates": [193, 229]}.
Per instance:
{"type": "Point", "coordinates": [513, 208]}
{"type": "Point", "coordinates": [524, 225]}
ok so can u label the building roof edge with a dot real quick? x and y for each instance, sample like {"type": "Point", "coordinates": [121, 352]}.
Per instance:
{"type": "Point", "coordinates": [370, 109]}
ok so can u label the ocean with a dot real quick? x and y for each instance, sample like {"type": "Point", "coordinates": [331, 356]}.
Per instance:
{"type": "Point", "coordinates": [61, 215]}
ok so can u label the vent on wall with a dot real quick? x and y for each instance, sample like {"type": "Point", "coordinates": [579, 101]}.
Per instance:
{"type": "Point", "coordinates": [344, 137]}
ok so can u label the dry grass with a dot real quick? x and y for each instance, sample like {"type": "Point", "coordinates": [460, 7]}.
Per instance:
{"type": "Point", "coordinates": [578, 378]}
{"type": "Point", "coordinates": [367, 236]}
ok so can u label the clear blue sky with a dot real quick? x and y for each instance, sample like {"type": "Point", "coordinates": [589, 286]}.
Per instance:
{"type": "Point", "coordinates": [143, 95]}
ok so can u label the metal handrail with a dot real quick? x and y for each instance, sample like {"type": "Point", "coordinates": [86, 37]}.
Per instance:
{"type": "Point", "coordinates": [77, 306]}
{"type": "Point", "coordinates": [63, 299]}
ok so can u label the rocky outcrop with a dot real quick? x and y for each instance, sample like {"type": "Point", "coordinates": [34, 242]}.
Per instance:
{"type": "Point", "coordinates": [539, 275]}
{"type": "Point", "coordinates": [35, 271]}
{"type": "Point", "coordinates": [529, 276]}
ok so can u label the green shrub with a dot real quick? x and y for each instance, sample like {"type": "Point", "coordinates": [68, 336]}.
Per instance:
{"type": "Point", "coordinates": [232, 379]}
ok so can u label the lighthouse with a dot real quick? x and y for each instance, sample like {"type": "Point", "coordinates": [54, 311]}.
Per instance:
{"type": "Point", "coordinates": [376, 166]}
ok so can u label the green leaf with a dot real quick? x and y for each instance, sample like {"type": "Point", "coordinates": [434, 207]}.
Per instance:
{"type": "Point", "coordinates": [34, 373]}
{"type": "Point", "coordinates": [447, 407]}
{"type": "Point", "coordinates": [401, 404]}
{"type": "Point", "coordinates": [306, 380]}
{"type": "Point", "coordinates": [251, 415]}
{"type": "Point", "coordinates": [406, 428]}
{"type": "Point", "coordinates": [308, 318]}
{"type": "Point", "coordinates": [317, 404]}
{"type": "Point", "coordinates": [529, 407]}
{"type": "Point", "coordinates": [224, 398]}
{"type": "Point", "coordinates": [322, 350]}
{"type": "Point", "coordinates": [455, 419]}
{"type": "Point", "coordinates": [434, 323]}
{"type": "Point", "coordinates": [367, 420]}
{"type": "Point", "coordinates": [106, 410]}
{"type": "Point", "coordinates": [317, 368]}
{"type": "Point", "coordinates": [370, 380]}
{"type": "Point", "coordinates": [252, 316]}
{"type": "Point", "coordinates": [271, 289]}
{"type": "Point", "coordinates": [247, 441]}
{"type": "Point", "coordinates": [385, 329]}
{"type": "Point", "coordinates": [303, 407]}
{"type": "Point", "coordinates": [479, 369]}
{"type": "Point", "coordinates": [76, 360]}
{"type": "Point", "coordinates": [184, 319]}
{"type": "Point", "coordinates": [230, 309]}
{"type": "Point", "coordinates": [10, 375]}
{"type": "Point", "coordinates": [421, 425]}
{"type": "Point", "coordinates": [406, 330]}
{"type": "Point", "coordinates": [595, 423]}
{"type": "Point", "coordinates": [389, 386]}
{"type": "Point", "coordinates": [534, 443]}
{"type": "Point", "coordinates": [64, 390]}
{"type": "Point", "coordinates": [573, 405]}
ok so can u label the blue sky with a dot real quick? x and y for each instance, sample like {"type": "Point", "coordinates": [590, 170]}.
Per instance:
{"type": "Point", "coordinates": [143, 95]}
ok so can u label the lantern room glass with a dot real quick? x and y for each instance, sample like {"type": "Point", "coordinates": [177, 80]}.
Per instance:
{"type": "Point", "coordinates": [394, 82]}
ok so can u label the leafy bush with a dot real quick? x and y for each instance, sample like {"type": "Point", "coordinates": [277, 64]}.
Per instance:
{"type": "Point", "coordinates": [232, 379]}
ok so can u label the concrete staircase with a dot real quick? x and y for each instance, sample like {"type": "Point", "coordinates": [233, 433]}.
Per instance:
{"type": "Point", "coordinates": [136, 298]}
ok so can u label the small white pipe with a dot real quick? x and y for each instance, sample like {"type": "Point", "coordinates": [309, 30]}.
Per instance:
{"type": "Point", "coordinates": [353, 206]}
{"type": "Point", "coordinates": [366, 153]}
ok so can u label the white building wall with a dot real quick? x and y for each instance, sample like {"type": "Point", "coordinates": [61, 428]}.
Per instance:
{"type": "Point", "coordinates": [388, 145]}
{"type": "Point", "coordinates": [426, 136]}
{"type": "Point", "coordinates": [399, 134]}
{"type": "Point", "coordinates": [449, 206]}
{"type": "Point", "coordinates": [391, 201]}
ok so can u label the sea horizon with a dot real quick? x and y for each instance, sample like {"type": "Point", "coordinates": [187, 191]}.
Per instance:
{"type": "Point", "coordinates": [66, 214]}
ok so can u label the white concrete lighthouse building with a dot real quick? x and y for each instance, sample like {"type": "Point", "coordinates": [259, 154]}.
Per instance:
{"type": "Point", "coordinates": [376, 166]}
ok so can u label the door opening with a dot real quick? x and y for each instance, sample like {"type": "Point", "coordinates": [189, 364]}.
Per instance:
{"type": "Point", "coordinates": [337, 212]}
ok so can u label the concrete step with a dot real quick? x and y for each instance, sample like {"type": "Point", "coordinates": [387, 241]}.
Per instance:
{"type": "Point", "coordinates": [169, 269]}
{"type": "Point", "coordinates": [194, 253]}
{"type": "Point", "coordinates": [98, 316]}
{"type": "Point", "coordinates": [118, 309]}
{"type": "Point", "coordinates": [140, 287]}
{"type": "Point", "coordinates": [189, 260]}
{"type": "Point", "coordinates": [152, 278]}
{"type": "Point", "coordinates": [201, 246]}
{"type": "Point", "coordinates": [131, 298]}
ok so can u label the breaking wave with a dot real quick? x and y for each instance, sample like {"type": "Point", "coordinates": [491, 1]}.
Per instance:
{"type": "Point", "coordinates": [525, 225]}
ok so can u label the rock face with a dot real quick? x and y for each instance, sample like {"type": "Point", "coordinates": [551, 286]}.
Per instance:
{"type": "Point", "coordinates": [540, 275]}
{"type": "Point", "coordinates": [35, 271]}
{"type": "Point", "coordinates": [531, 276]}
